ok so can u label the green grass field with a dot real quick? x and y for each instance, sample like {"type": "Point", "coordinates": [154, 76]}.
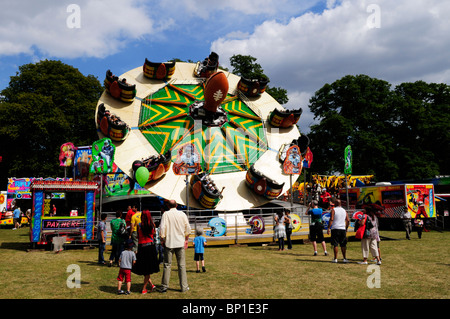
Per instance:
{"type": "Point", "coordinates": [411, 269]}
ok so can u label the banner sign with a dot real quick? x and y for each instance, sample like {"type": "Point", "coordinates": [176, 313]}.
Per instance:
{"type": "Point", "coordinates": [293, 161]}
{"type": "Point", "coordinates": [102, 156]}
{"type": "Point", "coordinates": [308, 158]}
{"type": "Point", "coordinates": [67, 154]}
{"type": "Point", "coordinates": [421, 201]}
{"type": "Point", "coordinates": [348, 160]}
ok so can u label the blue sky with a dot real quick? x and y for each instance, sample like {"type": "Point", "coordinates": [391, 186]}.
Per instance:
{"type": "Point", "coordinates": [301, 45]}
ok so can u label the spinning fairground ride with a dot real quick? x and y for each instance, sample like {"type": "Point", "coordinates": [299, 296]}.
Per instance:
{"type": "Point", "coordinates": [226, 127]}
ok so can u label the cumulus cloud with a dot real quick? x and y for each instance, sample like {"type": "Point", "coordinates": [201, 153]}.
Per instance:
{"type": "Point", "coordinates": [205, 9]}
{"type": "Point", "coordinates": [45, 27]}
{"type": "Point", "coordinates": [396, 41]}
{"type": "Point", "coordinates": [88, 29]}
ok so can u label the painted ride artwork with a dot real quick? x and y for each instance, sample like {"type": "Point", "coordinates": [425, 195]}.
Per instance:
{"type": "Point", "coordinates": [257, 225]}
{"type": "Point", "coordinates": [389, 201]}
{"type": "Point", "coordinates": [178, 104]}
{"type": "Point", "coordinates": [67, 154]}
{"type": "Point", "coordinates": [218, 227]}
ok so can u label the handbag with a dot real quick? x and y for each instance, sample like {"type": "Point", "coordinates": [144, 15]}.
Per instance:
{"type": "Point", "coordinates": [287, 223]}
{"type": "Point", "coordinates": [361, 229]}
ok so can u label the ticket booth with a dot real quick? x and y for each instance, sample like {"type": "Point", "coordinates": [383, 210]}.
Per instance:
{"type": "Point", "coordinates": [62, 209]}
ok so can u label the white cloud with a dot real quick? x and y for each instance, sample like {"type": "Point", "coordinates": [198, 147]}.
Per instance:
{"type": "Point", "coordinates": [105, 27]}
{"type": "Point", "coordinates": [205, 9]}
{"type": "Point", "coordinates": [108, 26]}
{"type": "Point", "coordinates": [396, 41]}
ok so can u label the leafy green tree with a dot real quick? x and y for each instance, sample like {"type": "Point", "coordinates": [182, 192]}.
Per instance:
{"type": "Point", "coordinates": [394, 134]}
{"type": "Point", "coordinates": [278, 93]}
{"type": "Point", "coordinates": [45, 105]}
{"type": "Point", "coordinates": [422, 128]}
{"type": "Point", "coordinates": [353, 111]}
{"type": "Point", "coordinates": [246, 66]}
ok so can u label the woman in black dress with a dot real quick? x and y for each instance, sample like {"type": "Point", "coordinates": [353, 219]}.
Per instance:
{"type": "Point", "coordinates": [146, 258]}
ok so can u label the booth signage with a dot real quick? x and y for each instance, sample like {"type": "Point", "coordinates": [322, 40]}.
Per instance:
{"type": "Point", "coordinates": [63, 223]}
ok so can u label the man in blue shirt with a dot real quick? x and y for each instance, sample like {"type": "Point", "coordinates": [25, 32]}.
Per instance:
{"type": "Point", "coordinates": [316, 227]}
{"type": "Point", "coordinates": [16, 218]}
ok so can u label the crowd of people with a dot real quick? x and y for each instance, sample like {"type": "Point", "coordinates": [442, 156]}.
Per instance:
{"type": "Point", "coordinates": [139, 245]}
{"type": "Point", "coordinates": [337, 228]}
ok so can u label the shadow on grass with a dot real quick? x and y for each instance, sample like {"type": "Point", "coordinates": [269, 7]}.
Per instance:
{"type": "Point", "coordinates": [136, 289]}
{"type": "Point", "coordinates": [389, 238]}
{"type": "Point", "coordinates": [16, 246]}
{"type": "Point", "coordinates": [350, 261]}
{"type": "Point", "coordinates": [93, 263]}
{"type": "Point", "coordinates": [441, 264]}
{"type": "Point", "coordinates": [285, 252]}
{"type": "Point", "coordinates": [310, 257]}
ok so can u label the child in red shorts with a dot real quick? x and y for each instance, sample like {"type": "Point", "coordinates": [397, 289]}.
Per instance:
{"type": "Point", "coordinates": [126, 261]}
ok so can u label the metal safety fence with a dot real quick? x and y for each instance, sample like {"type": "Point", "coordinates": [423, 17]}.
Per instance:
{"type": "Point", "coordinates": [254, 225]}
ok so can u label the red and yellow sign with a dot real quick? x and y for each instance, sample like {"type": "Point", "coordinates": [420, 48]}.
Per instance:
{"type": "Point", "coordinates": [421, 200]}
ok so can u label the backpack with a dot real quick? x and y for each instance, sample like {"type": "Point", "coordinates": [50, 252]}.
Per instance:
{"type": "Point", "coordinates": [369, 226]}
{"type": "Point", "coordinates": [122, 232]}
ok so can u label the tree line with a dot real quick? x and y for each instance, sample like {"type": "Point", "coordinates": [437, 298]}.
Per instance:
{"type": "Point", "coordinates": [395, 133]}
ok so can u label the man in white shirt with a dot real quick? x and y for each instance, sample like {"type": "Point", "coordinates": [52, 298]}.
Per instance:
{"type": "Point", "coordinates": [338, 224]}
{"type": "Point", "coordinates": [174, 233]}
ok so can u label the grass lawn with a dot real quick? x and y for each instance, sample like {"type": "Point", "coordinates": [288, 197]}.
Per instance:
{"type": "Point", "coordinates": [411, 269]}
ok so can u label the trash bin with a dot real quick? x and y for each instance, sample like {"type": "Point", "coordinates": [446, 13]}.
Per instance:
{"type": "Point", "coordinates": [58, 243]}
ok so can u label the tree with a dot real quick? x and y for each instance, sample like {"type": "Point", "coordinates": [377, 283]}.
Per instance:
{"type": "Point", "coordinates": [45, 105]}
{"type": "Point", "coordinates": [246, 66]}
{"type": "Point", "coordinates": [422, 113]}
{"type": "Point", "coordinates": [353, 111]}
{"type": "Point", "coordinates": [394, 134]}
